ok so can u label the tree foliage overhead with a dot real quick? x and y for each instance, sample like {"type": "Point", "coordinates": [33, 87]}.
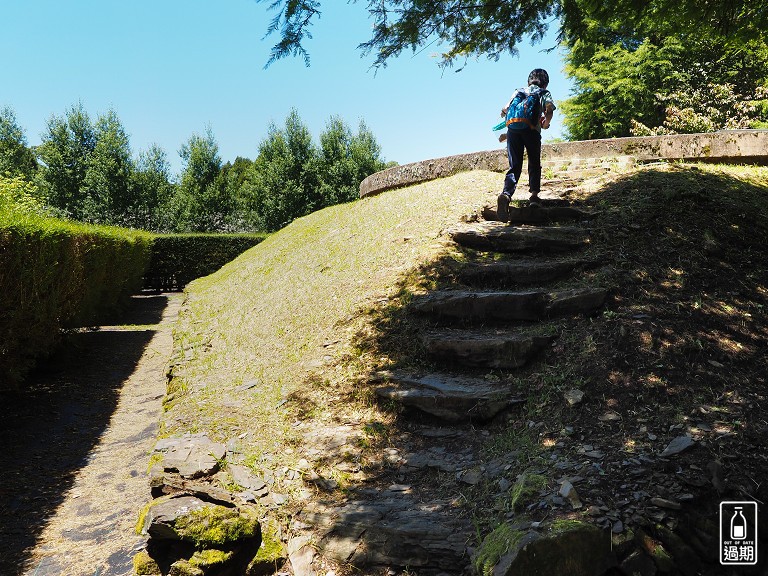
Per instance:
{"type": "Point", "coordinates": [494, 27]}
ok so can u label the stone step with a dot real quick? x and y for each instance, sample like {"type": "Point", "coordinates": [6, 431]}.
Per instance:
{"type": "Point", "coordinates": [521, 272]}
{"type": "Point", "coordinates": [453, 399]}
{"type": "Point", "coordinates": [485, 348]}
{"type": "Point", "coordinates": [500, 237]}
{"type": "Point", "coordinates": [539, 214]}
{"type": "Point", "coordinates": [531, 305]}
{"type": "Point", "coordinates": [392, 528]}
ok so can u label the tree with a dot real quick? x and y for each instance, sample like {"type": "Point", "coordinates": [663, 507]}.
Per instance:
{"type": "Point", "coordinates": [281, 185]}
{"type": "Point", "coordinates": [292, 177]}
{"type": "Point", "coordinates": [494, 27]}
{"type": "Point", "coordinates": [345, 160]}
{"type": "Point", "coordinates": [16, 158]}
{"type": "Point", "coordinates": [152, 191]}
{"type": "Point", "coordinates": [625, 85]}
{"type": "Point", "coordinates": [107, 194]}
{"type": "Point", "coordinates": [65, 151]}
{"type": "Point", "coordinates": [201, 203]}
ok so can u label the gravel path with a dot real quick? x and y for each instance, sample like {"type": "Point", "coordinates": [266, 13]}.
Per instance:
{"type": "Point", "coordinates": [76, 445]}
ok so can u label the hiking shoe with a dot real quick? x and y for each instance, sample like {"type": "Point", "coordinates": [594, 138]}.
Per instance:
{"type": "Point", "coordinates": [534, 200]}
{"type": "Point", "coordinates": [502, 207]}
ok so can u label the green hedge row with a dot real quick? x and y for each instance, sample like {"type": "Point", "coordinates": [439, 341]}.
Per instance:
{"type": "Point", "coordinates": [177, 259]}
{"type": "Point", "coordinates": [56, 274]}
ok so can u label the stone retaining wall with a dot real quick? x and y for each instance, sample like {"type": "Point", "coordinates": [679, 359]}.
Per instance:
{"type": "Point", "coordinates": [730, 146]}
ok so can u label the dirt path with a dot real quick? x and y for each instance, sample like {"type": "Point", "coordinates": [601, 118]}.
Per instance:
{"type": "Point", "coordinates": [75, 448]}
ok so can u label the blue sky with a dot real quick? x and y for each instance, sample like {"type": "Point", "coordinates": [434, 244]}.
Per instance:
{"type": "Point", "coordinates": [170, 68]}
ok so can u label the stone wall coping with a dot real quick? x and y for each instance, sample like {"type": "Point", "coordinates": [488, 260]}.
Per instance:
{"type": "Point", "coordinates": [726, 146]}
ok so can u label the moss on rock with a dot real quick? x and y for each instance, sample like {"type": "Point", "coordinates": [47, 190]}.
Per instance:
{"type": "Point", "coordinates": [526, 486]}
{"type": "Point", "coordinates": [496, 545]}
{"type": "Point", "coordinates": [567, 548]}
{"type": "Point", "coordinates": [217, 527]}
{"type": "Point", "coordinates": [271, 555]}
{"type": "Point", "coordinates": [144, 565]}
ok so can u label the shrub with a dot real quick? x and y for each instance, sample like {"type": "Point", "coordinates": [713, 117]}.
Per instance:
{"type": "Point", "coordinates": [55, 274]}
{"type": "Point", "coordinates": [177, 259]}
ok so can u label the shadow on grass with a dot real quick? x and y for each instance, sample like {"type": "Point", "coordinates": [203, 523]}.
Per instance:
{"type": "Point", "coordinates": [48, 429]}
{"type": "Point", "coordinates": [679, 346]}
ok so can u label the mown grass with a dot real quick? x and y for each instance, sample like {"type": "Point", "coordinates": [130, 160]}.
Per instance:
{"type": "Point", "coordinates": [282, 319]}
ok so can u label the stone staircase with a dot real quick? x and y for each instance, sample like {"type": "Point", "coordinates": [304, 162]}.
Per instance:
{"type": "Point", "coordinates": [501, 318]}
{"type": "Point", "coordinates": [502, 314]}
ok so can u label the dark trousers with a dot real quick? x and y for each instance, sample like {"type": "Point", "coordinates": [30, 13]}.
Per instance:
{"type": "Point", "coordinates": [517, 141]}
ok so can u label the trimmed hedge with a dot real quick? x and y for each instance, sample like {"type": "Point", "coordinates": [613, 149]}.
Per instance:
{"type": "Point", "coordinates": [56, 274]}
{"type": "Point", "coordinates": [177, 259]}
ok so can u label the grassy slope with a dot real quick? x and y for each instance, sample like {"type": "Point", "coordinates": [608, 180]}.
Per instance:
{"type": "Point", "coordinates": [266, 316]}
{"type": "Point", "coordinates": [306, 314]}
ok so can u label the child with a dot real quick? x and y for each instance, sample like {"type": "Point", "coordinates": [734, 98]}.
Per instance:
{"type": "Point", "coordinates": [525, 135]}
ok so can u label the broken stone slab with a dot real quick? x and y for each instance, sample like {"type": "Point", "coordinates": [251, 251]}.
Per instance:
{"type": "Point", "coordinates": [191, 456]}
{"type": "Point", "coordinates": [678, 445]}
{"type": "Point", "coordinates": [565, 547]}
{"type": "Point", "coordinates": [244, 477]}
{"type": "Point", "coordinates": [394, 532]}
{"type": "Point", "coordinates": [530, 305]}
{"type": "Point", "coordinates": [170, 484]}
{"type": "Point", "coordinates": [499, 237]}
{"type": "Point", "coordinates": [450, 398]}
{"type": "Point", "coordinates": [520, 273]}
{"type": "Point", "coordinates": [541, 214]}
{"type": "Point", "coordinates": [489, 349]}
{"type": "Point", "coordinates": [301, 554]}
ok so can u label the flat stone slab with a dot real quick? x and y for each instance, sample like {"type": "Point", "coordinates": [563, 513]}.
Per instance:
{"type": "Point", "coordinates": [485, 348]}
{"type": "Point", "coordinates": [397, 531]}
{"type": "Point", "coordinates": [500, 237]}
{"type": "Point", "coordinates": [524, 272]}
{"type": "Point", "coordinates": [531, 305]}
{"type": "Point", "coordinates": [451, 398]}
{"type": "Point", "coordinates": [191, 456]}
{"type": "Point", "coordinates": [541, 214]}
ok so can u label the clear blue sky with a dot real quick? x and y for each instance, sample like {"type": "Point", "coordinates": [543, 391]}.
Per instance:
{"type": "Point", "coordinates": [170, 68]}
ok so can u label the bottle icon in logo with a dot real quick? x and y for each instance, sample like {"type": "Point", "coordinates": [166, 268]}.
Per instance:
{"type": "Point", "coordinates": [738, 525]}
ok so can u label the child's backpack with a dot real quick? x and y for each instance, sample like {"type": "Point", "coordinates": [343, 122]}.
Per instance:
{"type": "Point", "coordinates": [525, 108]}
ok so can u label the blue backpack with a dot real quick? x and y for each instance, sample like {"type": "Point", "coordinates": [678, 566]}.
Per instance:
{"type": "Point", "coordinates": [525, 108]}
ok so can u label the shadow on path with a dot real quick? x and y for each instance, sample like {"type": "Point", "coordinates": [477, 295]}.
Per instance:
{"type": "Point", "coordinates": [48, 429]}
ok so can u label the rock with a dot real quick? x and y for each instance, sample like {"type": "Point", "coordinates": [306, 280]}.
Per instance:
{"type": "Point", "coordinates": [271, 556]}
{"type": "Point", "coordinates": [656, 551]}
{"type": "Point", "coordinates": [638, 564]}
{"type": "Point", "coordinates": [665, 503]}
{"type": "Point", "coordinates": [191, 456]}
{"type": "Point", "coordinates": [717, 477]}
{"type": "Point", "coordinates": [489, 349]}
{"type": "Point", "coordinates": [159, 518]}
{"type": "Point", "coordinates": [678, 445]}
{"type": "Point", "coordinates": [516, 273]}
{"type": "Point", "coordinates": [685, 558]}
{"type": "Point", "coordinates": [574, 397]}
{"type": "Point", "coordinates": [498, 237]}
{"type": "Point", "coordinates": [527, 485]}
{"type": "Point", "coordinates": [471, 477]}
{"type": "Point", "coordinates": [453, 399]}
{"type": "Point", "coordinates": [568, 492]}
{"type": "Point", "coordinates": [301, 554]}
{"type": "Point", "coordinates": [168, 483]}
{"type": "Point", "coordinates": [567, 548]}
{"type": "Point", "coordinates": [243, 476]}
{"type": "Point", "coordinates": [394, 532]}
{"type": "Point", "coordinates": [483, 307]}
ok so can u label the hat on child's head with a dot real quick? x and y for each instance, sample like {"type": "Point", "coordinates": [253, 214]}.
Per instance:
{"type": "Point", "coordinates": [539, 77]}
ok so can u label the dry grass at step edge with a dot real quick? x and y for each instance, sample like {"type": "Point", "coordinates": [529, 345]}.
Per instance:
{"type": "Point", "coordinates": [267, 340]}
